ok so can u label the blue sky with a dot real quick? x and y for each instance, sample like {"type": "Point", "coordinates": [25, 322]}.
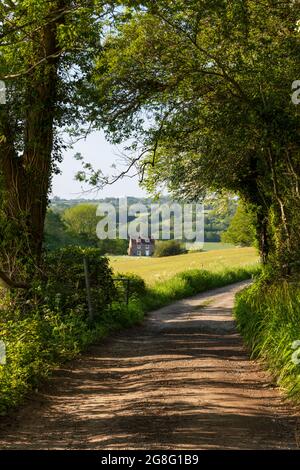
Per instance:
{"type": "Point", "coordinates": [96, 150]}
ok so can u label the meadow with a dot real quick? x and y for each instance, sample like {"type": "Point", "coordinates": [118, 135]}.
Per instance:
{"type": "Point", "coordinates": [153, 270]}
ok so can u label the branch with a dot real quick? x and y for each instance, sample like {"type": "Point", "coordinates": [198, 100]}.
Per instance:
{"type": "Point", "coordinates": [26, 72]}
{"type": "Point", "coordinates": [125, 172]}
{"type": "Point", "coordinates": [7, 283]}
{"type": "Point", "coordinates": [210, 56]}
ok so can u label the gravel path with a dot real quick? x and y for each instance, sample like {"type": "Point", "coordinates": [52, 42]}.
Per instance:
{"type": "Point", "coordinates": [182, 380]}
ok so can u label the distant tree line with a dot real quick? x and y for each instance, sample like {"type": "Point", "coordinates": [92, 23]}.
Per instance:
{"type": "Point", "coordinates": [76, 225]}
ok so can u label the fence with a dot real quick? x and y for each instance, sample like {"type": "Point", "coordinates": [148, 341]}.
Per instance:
{"type": "Point", "coordinates": [122, 286]}
{"type": "Point", "coordinates": [97, 294]}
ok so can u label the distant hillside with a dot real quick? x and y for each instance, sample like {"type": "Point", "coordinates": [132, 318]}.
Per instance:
{"type": "Point", "coordinates": [217, 214]}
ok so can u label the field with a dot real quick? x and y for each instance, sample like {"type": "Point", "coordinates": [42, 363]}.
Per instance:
{"type": "Point", "coordinates": [209, 246]}
{"type": "Point", "coordinates": [155, 269]}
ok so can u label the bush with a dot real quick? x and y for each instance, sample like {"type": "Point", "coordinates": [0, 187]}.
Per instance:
{"type": "Point", "coordinates": [169, 248]}
{"type": "Point", "coordinates": [49, 323]}
{"type": "Point", "coordinates": [37, 343]}
{"type": "Point", "coordinates": [268, 318]}
{"type": "Point", "coordinates": [125, 316]}
{"type": "Point", "coordinates": [65, 287]}
{"type": "Point", "coordinates": [136, 287]}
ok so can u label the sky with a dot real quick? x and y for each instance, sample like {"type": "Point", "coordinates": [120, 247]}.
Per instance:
{"type": "Point", "coordinates": [101, 154]}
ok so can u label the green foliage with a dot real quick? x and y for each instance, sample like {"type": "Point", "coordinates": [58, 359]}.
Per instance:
{"type": "Point", "coordinates": [218, 214]}
{"type": "Point", "coordinates": [49, 324]}
{"type": "Point", "coordinates": [56, 235]}
{"type": "Point", "coordinates": [241, 230]}
{"type": "Point", "coordinates": [195, 83]}
{"type": "Point", "coordinates": [125, 316]}
{"type": "Point", "coordinates": [65, 287]}
{"type": "Point", "coordinates": [81, 221]}
{"type": "Point", "coordinates": [70, 223]}
{"type": "Point", "coordinates": [192, 282]}
{"type": "Point", "coordinates": [136, 284]}
{"type": "Point", "coordinates": [169, 248]}
{"type": "Point", "coordinates": [47, 51]}
{"type": "Point", "coordinates": [268, 318]}
{"type": "Point", "coordinates": [76, 225]}
{"type": "Point", "coordinates": [38, 342]}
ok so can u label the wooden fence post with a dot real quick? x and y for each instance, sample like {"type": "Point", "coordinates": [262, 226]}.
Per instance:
{"type": "Point", "coordinates": [88, 288]}
{"type": "Point", "coordinates": [127, 291]}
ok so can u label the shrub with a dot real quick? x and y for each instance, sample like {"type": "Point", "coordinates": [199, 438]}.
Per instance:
{"type": "Point", "coordinates": [169, 248]}
{"type": "Point", "coordinates": [268, 318]}
{"type": "Point", "coordinates": [49, 324]}
{"type": "Point", "coordinates": [64, 287]}
{"type": "Point", "coordinates": [37, 343]}
{"type": "Point", "coordinates": [125, 316]}
{"type": "Point", "coordinates": [136, 284]}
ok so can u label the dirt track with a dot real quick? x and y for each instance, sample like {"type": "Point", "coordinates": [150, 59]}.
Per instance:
{"type": "Point", "coordinates": [183, 380]}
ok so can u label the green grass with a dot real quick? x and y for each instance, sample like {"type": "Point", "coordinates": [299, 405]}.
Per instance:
{"type": "Point", "coordinates": [268, 319]}
{"type": "Point", "coordinates": [161, 269]}
{"type": "Point", "coordinates": [192, 282]}
{"type": "Point", "coordinates": [209, 246]}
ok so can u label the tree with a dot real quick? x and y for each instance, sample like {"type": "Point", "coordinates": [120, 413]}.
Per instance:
{"type": "Point", "coordinates": [219, 213]}
{"type": "Point", "coordinates": [56, 235]}
{"type": "Point", "coordinates": [241, 230]}
{"type": "Point", "coordinates": [169, 248]}
{"type": "Point", "coordinates": [81, 222]}
{"type": "Point", "coordinates": [47, 52]}
{"type": "Point", "coordinates": [204, 88]}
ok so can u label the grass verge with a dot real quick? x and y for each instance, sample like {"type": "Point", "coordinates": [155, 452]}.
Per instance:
{"type": "Point", "coordinates": [193, 282]}
{"type": "Point", "coordinates": [268, 319]}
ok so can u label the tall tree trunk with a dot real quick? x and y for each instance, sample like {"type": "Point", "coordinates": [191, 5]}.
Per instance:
{"type": "Point", "coordinates": [262, 236]}
{"type": "Point", "coordinates": [260, 204]}
{"type": "Point", "coordinates": [26, 178]}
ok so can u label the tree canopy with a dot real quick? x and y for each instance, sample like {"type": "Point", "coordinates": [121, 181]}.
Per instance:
{"type": "Point", "coordinates": [48, 49]}
{"type": "Point", "coordinates": [241, 230]}
{"type": "Point", "coordinates": [204, 89]}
